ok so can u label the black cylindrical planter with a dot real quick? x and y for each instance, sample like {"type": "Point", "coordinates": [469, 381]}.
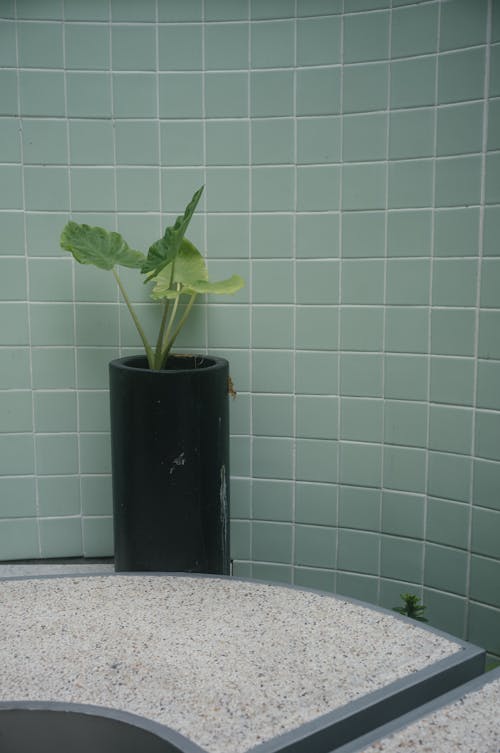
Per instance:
{"type": "Point", "coordinates": [170, 462]}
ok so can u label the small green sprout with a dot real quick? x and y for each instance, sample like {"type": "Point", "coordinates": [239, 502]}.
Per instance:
{"type": "Point", "coordinates": [411, 607]}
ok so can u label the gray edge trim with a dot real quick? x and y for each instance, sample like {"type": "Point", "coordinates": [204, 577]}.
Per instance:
{"type": "Point", "coordinates": [356, 746]}
{"type": "Point", "coordinates": [367, 713]}
{"type": "Point", "coordinates": [160, 731]}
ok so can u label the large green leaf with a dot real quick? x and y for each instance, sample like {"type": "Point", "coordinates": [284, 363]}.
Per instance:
{"type": "Point", "coordinates": [189, 268]}
{"type": "Point", "coordinates": [167, 248]}
{"type": "Point", "coordinates": [97, 246]}
{"type": "Point", "coordinates": [222, 287]}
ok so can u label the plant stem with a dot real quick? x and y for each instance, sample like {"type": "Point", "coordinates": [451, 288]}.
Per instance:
{"type": "Point", "coordinates": [161, 334]}
{"type": "Point", "coordinates": [147, 346]}
{"type": "Point", "coordinates": [183, 318]}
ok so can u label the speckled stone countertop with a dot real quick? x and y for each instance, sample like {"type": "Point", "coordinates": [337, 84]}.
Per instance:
{"type": "Point", "coordinates": [227, 663]}
{"type": "Point", "coordinates": [469, 725]}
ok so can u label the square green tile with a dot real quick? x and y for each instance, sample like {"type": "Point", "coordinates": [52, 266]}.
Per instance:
{"type": "Point", "coordinates": [405, 423]}
{"type": "Point", "coordinates": [483, 627]}
{"type": "Point", "coordinates": [8, 54]}
{"type": "Point", "coordinates": [405, 377]}
{"type": "Point", "coordinates": [315, 546]}
{"type": "Point", "coordinates": [46, 188]}
{"type": "Point", "coordinates": [316, 460]}
{"type": "Point", "coordinates": [272, 141]}
{"type": "Point", "coordinates": [272, 371]}
{"type": "Point", "coordinates": [365, 87]}
{"type": "Point", "coordinates": [404, 469]}
{"type": "Point", "coordinates": [226, 46]}
{"type": "Point", "coordinates": [19, 539]}
{"type": "Point", "coordinates": [40, 45]}
{"type": "Point", "coordinates": [241, 498]}
{"type": "Point", "coordinates": [450, 429]}
{"type": "Point", "coordinates": [401, 559]}
{"type": "Point", "coordinates": [459, 129]}
{"type": "Point", "coordinates": [16, 411]}
{"type": "Point", "coordinates": [51, 325]}
{"type": "Point", "coordinates": [458, 181]}
{"type": "Point", "coordinates": [363, 281]}
{"type": "Point", "coordinates": [52, 367]}
{"type": "Point", "coordinates": [364, 137]}
{"type": "Point", "coordinates": [461, 75]}
{"type": "Point", "coordinates": [489, 347]}
{"type": "Point", "coordinates": [240, 456]}
{"type": "Point", "coordinates": [484, 580]}
{"type": "Point", "coordinates": [272, 542]}
{"type": "Point", "coordinates": [361, 375]}
{"type": "Point", "coordinates": [180, 95]}
{"type": "Point", "coordinates": [492, 179]}
{"type": "Point", "coordinates": [272, 188]}
{"type": "Point", "coordinates": [452, 381]}
{"type": "Point", "coordinates": [359, 552]}
{"type": "Point", "coordinates": [488, 385]}
{"type": "Point", "coordinates": [403, 514]}
{"type": "Point", "coordinates": [262, 9]}
{"type": "Point", "coordinates": [315, 504]}
{"type": "Point", "coordinates": [448, 523]}
{"type": "Point", "coordinates": [363, 186]}
{"type": "Point", "coordinates": [179, 48]}
{"type": "Point", "coordinates": [271, 93]}
{"type": "Point", "coordinates": [272, 327]}
{"type": "Point", "coordinates": [446, 611]}
{"type": "Point", "coordinates": [92, 189]}
{"type": "Point", "coordinates": [463, 24]}
{"type": "Point", "coordinates": [226, 94]}
{"type": "Point", "coordinates": [12, 279]}
{"type": "Point", "coordinates": [272, 281]}
{"type": "Point", "coordinates": [411, 133]}
{"type": "Point", "coordinates": [272, 457]}
{"type": "Point", "coordinates": [135, 95]}
{"type": "Point", "coordinates": [137, 189]}
{"type": "Point", "coordinates": [272, 235]}
{"type": "Point", "coordinates": [316, 282]}
{"type": "Point", "coordinates": [409, 233]}
{"type": "Point", "coordinates": [316, 417]}
{"type": "Point", "coordinates": [318, 41]}
{"type": "Point", "coordinates": [494, 67]}
{"type": "Point", "coordinates": [272, 45]}
{"type": "Point", "coordinates": [363, 234]}
{"type": "Point", "coordinates": [494, 124]}
{"type": "Point", "coordinates": [317, 92]}
{"type": "Point", "coordinates": [318, 188]}
{"type": "Point", "coordinates": [413, 82]}
{"type": "Point", "coordinates": [410, 184]}
{"type": "Point", "coordinates": [228, 236]}
{"type": "Point", "coordinates": [59, 496]}
{"type": "Point", "coordinates": [227, 143]}
{"type": "Point", "coordinates": [487, 428]}
{"type": "Point", "coordinates": [316, 373]}
{"type": "Point", "coordinates": [316, 327]}
{"type": "Point", "coordinates": [9, 84]}
{"type": "Point", "coordinates": [44, 142]}
{"type": "Point", "coordinates": [366, 37]}
{"type": "Point", "coordinates": [12, 240]}
{"type": "Point", "coordinates": [362, 328]}
{"type": "Point", "coordinates": [446, 569]}
{"type": "Point", "coordinates": [454, 282]}
{"type": "Point", "coordinates": [359, 508]}
{"type": "Point", "coordinates": [87, 46]}
{"type": "Point", "coordinates": [317, 236]}
{"type": "Point", "coordinates": [361, 419]}
{"type": "Point", "coordinates": [56, 454]}
{"type": "Point", "coordinates": [55, 411]}
{"type": "Point", "coordinates": [272, 500]}
{"type": "Point", "coordinates": [456, 231]}
{"type": "Point", "coordinates": [96, 495]}
{"type": "Point", "coordinates": [136, 144]}
{"type": "Point", "coordinates": [93, 10]}
{"type": "Point", "coordinates": [452, 332]}
{"type": "Point", "coordinates": [61, 537]}
{"type": "Point", "coordinates": [14, 324]}
{"type": "Point", "coordinates": [93, 410]}
{"type": "Point", "coordinates": [91, 142]}
{"type": "Point", "coordinates": [407, 330]}
{"type": "Point", "coordinates": [318, 140]}
{"type": "Point", "coordinates": [89, 94]}
{"type": "Point", "coordinates": [95, 453]}
{"type": "Point", "coordinates": [96, 324]}
{"type": "Point", "coordinates": [272, 415]}
{"type": "Point", "coordinates": [240, 538]}
{"type": "Point", "coordinates": [358, 587]}
{"type": "Point", "coordinates": [414, 30]}
{"type": "Point", "coordinates": [227, 189]}
{"type": "Point", "coordinates": [272, 573]}
{"type": "Point", "coordinates": [18, 497]}
{"type": "Point", "coordinates": [408, 282]}
{"type": "Point", "coordinates": [449, 476]}
{"type": "Point", "coordinates": [98, 537]}
{"type": "Point", "coordinates": [11, 189]}
{"type": "Point", "coordinates": [360, 464]}
{"type": "Point", "coordinates": [216, 10]}
{"type": "Point", "coordinates": [306, 577]}
{"type": "Point", "coordinates": [92, 366]}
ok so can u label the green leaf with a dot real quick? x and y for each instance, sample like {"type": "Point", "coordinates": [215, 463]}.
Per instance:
{"type": "Point", "coordinates": [189, 268]}
{"type": "Point", "coordinates": [97, 246]}
{"type": "Point", "coordinates": [222, 287]}
{"type": "Point", "coordinates": [167, 248]}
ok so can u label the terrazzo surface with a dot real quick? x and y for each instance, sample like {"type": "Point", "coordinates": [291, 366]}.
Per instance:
{"type": "Point", "coordinates": [227, 663]}
{"type": "Point", "coordinates": [470, 725]}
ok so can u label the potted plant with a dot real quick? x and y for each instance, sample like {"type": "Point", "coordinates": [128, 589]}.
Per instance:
{"type": "Point", "coordinates": [169, 412]}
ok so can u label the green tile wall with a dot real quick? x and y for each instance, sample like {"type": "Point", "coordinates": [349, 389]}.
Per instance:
{"type": "Point", "coordinates": [350, 153]}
